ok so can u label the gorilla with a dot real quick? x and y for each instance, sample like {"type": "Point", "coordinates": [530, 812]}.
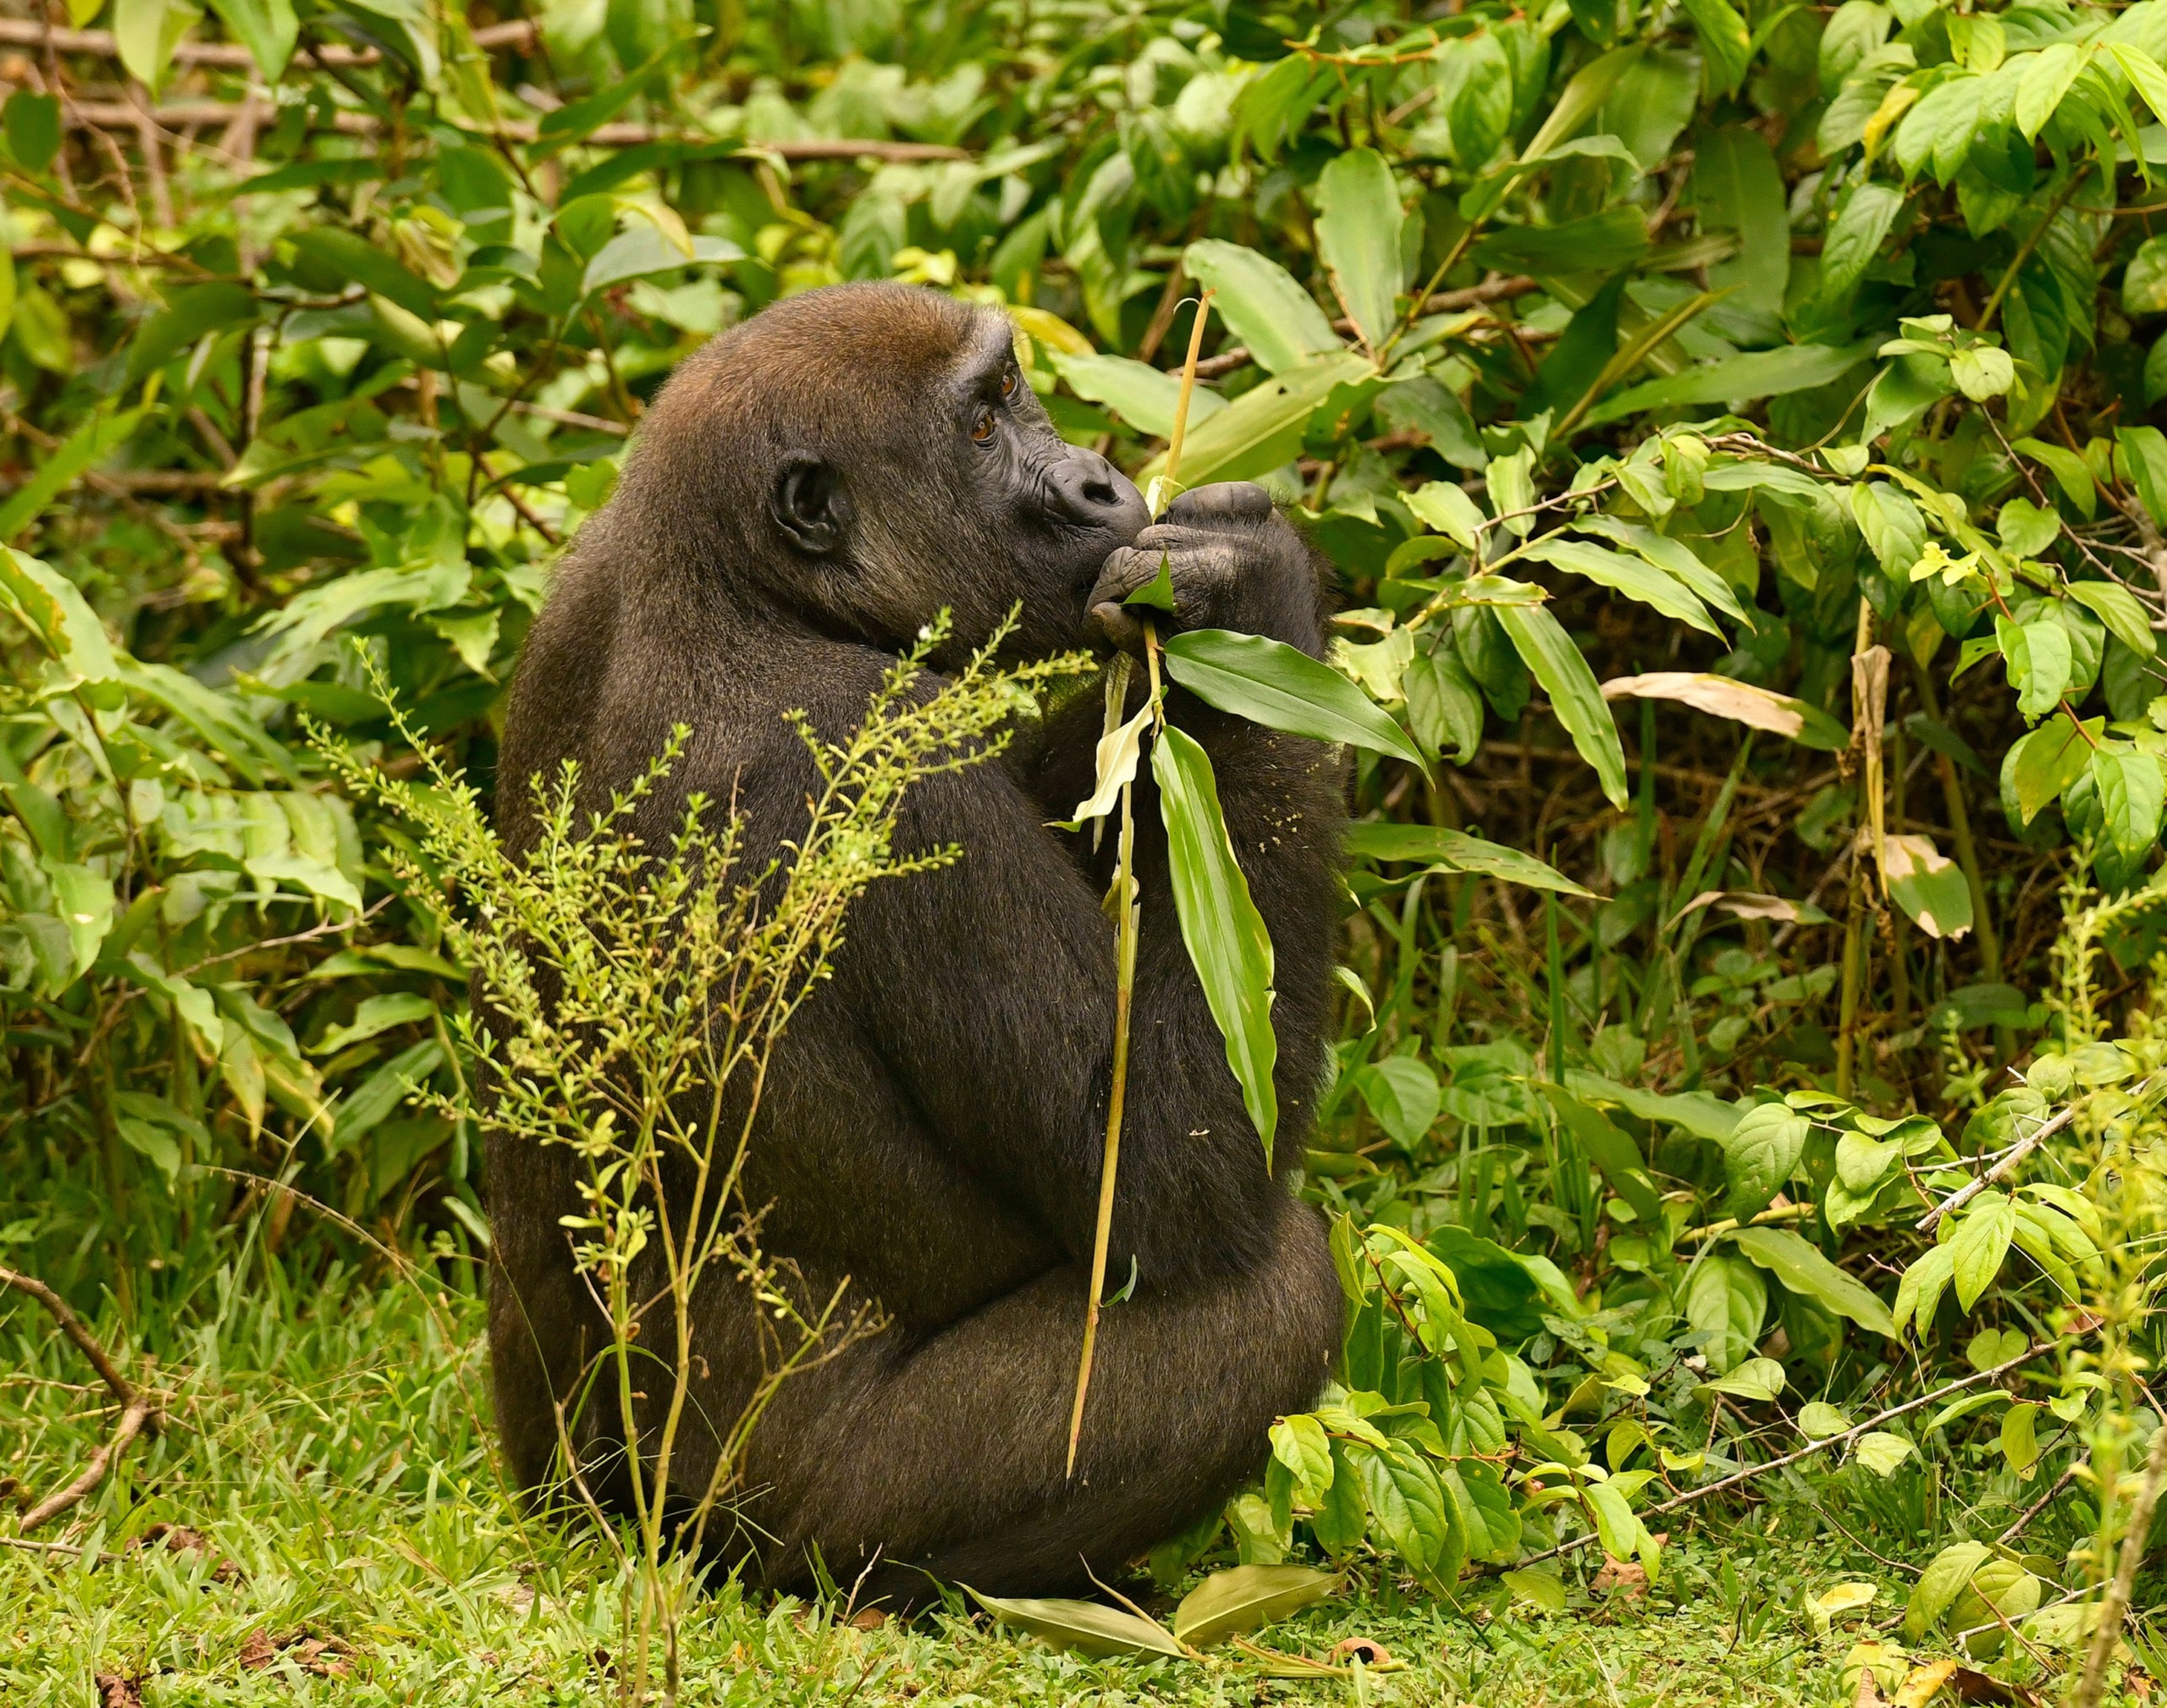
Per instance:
{"type": "Point", "coordinates": [808, 491]}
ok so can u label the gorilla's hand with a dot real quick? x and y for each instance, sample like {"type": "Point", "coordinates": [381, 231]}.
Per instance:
{"type": "Point", "coordinates": [1234, 564]}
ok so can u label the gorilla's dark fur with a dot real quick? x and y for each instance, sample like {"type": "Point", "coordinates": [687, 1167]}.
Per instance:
{"type": "Point", "coordinates": [806, 493]}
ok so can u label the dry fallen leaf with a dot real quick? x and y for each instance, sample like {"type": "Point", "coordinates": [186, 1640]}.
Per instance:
{"type": "Point", "coordinates": [872, 1619]}
{"type": "Point", "coordinates": [1868, 1694]}
{"type": "Point", "coordinates": [1628, 1576]}
{"type": "Point", "coordinates": [1918, 1688]}
{"type": "Point", "coordinates": [327, 1657]}
{"type": "Point", "coordinates": [1369, 1652]}
{"type": "Point", "coordinates": [116, 1692]}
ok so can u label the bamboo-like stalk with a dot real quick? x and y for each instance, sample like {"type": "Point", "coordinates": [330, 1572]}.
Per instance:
{"type": "Point", "coordinates": [1865, 727]}
{"type": "Point", "coordinates": [1129, 921]}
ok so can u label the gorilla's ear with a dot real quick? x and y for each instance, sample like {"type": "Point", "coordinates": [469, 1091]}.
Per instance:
{"type": "Point", "coordinates": [809, 505]}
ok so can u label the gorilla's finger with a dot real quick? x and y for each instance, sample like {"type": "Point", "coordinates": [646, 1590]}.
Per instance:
{"type": "Point", "coordinates": [1117, 627]}
{"type": "Point", "coordinates": [1222, 501]}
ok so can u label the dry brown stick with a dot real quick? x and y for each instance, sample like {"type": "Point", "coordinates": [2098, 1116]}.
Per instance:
{"type": "Point", "coordinates": [2108, 1632]}
{"type": "Point", "coordinates": [2023, 1147]}
{"type": "Point", "coordinates": [140, 1412]}
{"type": "Point", "coordinates": [1739, 1478]}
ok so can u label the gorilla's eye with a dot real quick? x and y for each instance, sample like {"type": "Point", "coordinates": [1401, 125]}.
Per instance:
{"type": "Point", "coordinates": [1008, 383]}
{"type": "Point", "coordinates": [982, 426]}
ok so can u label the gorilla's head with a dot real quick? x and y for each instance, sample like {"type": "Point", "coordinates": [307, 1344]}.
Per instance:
{"type": "Point", "coordinates": [865, 455]}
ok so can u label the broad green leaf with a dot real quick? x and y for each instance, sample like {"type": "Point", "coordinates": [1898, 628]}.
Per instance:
{"type": "Point", "coordinates": [2115, 606]}
{"type": "Point", "coordinates": [1575, 699]}
{"type": "Point", "coordinates": [1617, 1530]}
{"type": "Point", "coordinates": [375, 1014]}
{"type": "Point", "coordinates": [1457, 852]}
{"type": "Point", "coordinates": [2019, 1437]}
{"type": "Point", "coordinates": [83, 897]}
{"type": "Point", "coordinates": [1282, 687]}
{"type": "Point", "coordinates": [2039, 658]}
{"type": "Point", "coordinates": [1448, 509]}
{"type": "Point", "coordinates": [1299, 1443]}
{"type": "Point", "coordinates": [2050, 759]}
{"type": "Point", "coordinates": [1262, 305]}
{"type": "Point", "coordinates": [1980, 1243]}
{"type": "Point", "coordinates": [1760, 1380]}
{"type": "Point", "coordinates": [1144, 397]}
{"type": "Point", "coordinates": [1724, 697]}
{"type": "Point", "coordinates": [1736, 379]}
{"type": "Point", "coordinates": [1085, 1627]}
{"type": "Point", "coordinates": [1862, 227]}
{"type": "Point", "coordinates": [1726, 44]}
{"type": "Point", "coordinates": [1244, 1598]}
{"type": "Point", "coordinates": [1262, 429]}
{"type": "Point", "coordinates": [1760, 1155]}
{"type": "Point", "coordinates": [190, 315]}
{"type": "Point", "coordinates": [1226, 936]}
{"type": "Point", "coordinates": [1409, 1507]}
{"type": "Point", "coordinates": [1402, 1093]}
{"type": "Point", "coordinates": [1359, 221]}
{"type": "Point", "coordinates": [1819, 1420]}
{"type": "Point", "coordinates": [2027, 530]}
{"type": "Point", "coordinates": [351, 256]}
{"type": "Point", "coordinates": [146, 32]}
{"type": "Point", "coordinates": [1803, 1269]}
{"type": "Point", "coordinates": [2069, 470]}
{"type": "Point", "coordinates": [1739, 187]}
{"type": "Point", "coordinates": [1891, 525]}
{"type": "Point", "coordinates": [2045, 82]}
{"type": "Point", "coordinates": [1881, 1451]}
{"type": "Point", "coordinates": [1927, 885]}
{"type": "Point", "coordinates": [1444, 705]}
{"type": "Point", "coordinates": [1939, 1586]}
{"type": "Point", "coordinates": [58, 472]}
{"type": "Point", "coordinates": [1726, 1300]}
{"type": "Point", "coordinates": [47, 603]}
{"type": "Point", "coordinates": [2145, 75]}
{"type": "Point", "coordinates": [1539, 1588]}
{"type": "Point", "coordinates": [643, 248]}
{"type": "Point", "coordinates": [2129, 788]}
{"type": "Point", "coordinates": [1599, 243]}
{"type": "Point", "coordinates": [1674, 557]}
{"type": "Point", "coordinates": [32, 124]}
{"type": "Point", "coordinates": [2143, 451]}
{"type": "Point", "coordinates": [268, 28]}
{"type": "Point", "coordinates": [1630, 576]}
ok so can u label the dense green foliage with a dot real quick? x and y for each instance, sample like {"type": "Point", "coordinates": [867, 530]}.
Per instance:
{"type": "Point", "coordinates": [1780, 377]}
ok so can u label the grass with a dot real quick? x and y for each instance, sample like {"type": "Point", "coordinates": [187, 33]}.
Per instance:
{"type": "Point", "coordinates": [332, 1451]}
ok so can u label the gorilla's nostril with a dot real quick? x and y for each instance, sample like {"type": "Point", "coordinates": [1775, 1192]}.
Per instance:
{"type": "Point", "coordinates": [1099, 492]}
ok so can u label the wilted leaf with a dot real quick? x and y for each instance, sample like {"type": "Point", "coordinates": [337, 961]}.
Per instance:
{"type": "Point", "coordinates": [1245, 1597]}
{"type": "Point", "coordinates": [1741, 701]}
{"type": "Point", "coordinates": [1927, 885]}
{"type": "Point", "coordinates": [1086, 1627]}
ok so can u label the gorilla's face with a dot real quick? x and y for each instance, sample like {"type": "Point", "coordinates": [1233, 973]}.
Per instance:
{"type": "Point", "coordinates": [959, 495]}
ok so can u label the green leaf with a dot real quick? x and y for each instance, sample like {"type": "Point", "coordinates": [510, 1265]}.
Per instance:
{"type": "Point", "coordinates": [1616, 1528]}
{"type": "Point", "coordinates": [1891, 525]}
{"type": "Point", "coordinates": [1359, 224]}
{"type": "Point", "coordinates": [32, 121]}
{"type": "Point", "coordinates": [1724, 697]}
{"type": "Point", "coordinates": [1803, 1269]}
{"type": "Point", "coordinates": [1402, 1093]}
{"type": "Point", "coordinates": [1226, 936]}
{"type": "Point", "coordinates": [146, 32]}
{"type": "Point", "coordinates": [83, 897]}
{"type": "Point", "coordinates": [1862, 227]}
{"type": "Point", "coordinates": [2044, 83]}
{"type": "Point", "coordinates": [1409, 1507]}
{"type": "Point", "coordinates": [192, 314]}
{"type": "Point", "coordinates": [1726, 44]}
{"type": "Point", "coordinates": [1980, 1243]}
{"type": "Point", "coordinates": [1142, 395]}
{"type": "Point", "coordinates": [1600, 243]}
{"type": "Point", "coordinates": [351, 256]}
{"type": "Point", "coordinates": [1244, 1598]}
{"type": "Point", "coordinates": [1727, 1300]}
{"type": "Point", "coordinates": [2027, 530]}
{"type": "Point", "coordinates": [1740, 379]}
{"type": "Point", "coordinates": [1940, 1585]}
{"type": "Point", "coordinates": [1672, 556]}
{"type": "Point", "coordinates": [643, 248]}
{"type": "Point", "coordinates": [77, 452]}
{"type": "Point", "coordinates": [1609, 1149]}
{"type": "Point", "coordinates": [1458, 851]}
{"type": "Point", "coordinates": [1575, 700]}
{"type": "Point", "coordinates": [1262, 305]}
{"type": "Point", "coordinates": [1818, 1420]}
{"type": "Point", "coordinates": [1760, 1380]}
{"type": "Point", "coordinates": [1632, 577]}
{"type": "Point", "coordinates": [266, 28]}
{"type": "Point", "coordinates": [1760, 1155]}
{"type": "Point", "coordinates": [2143, 451]}
{"type": "Point", "coordinates": [2039, 657]}
{"type": "Point", "coordinates": [1282, 687]}
{"type": "Point", "coordinates": [47, 603]}
{"type": "Point", "coordinates": [2019, 1437]}
{"type": "Point", "coordinates": [1739, 187]}
{"type": "Point", "coordinates": [1085, 1627]}
{"type": "Point", "coordinates": [1539, 1588]}
{"type": "Point", "coordinates": [1262, 429]}
{"type": "Point", "coordinates": [1881, 1451]}
{"type": "Point", "coordinates": [2069, 471]}
{"type": "Point", "coordinates": [1448, 509]}
{"type": "Point", "coordinates": [2050, 759]}
{"type": "Point", "coordinates": [1927, 885]}
{"type": "Point", "coordinates": [2115, 606]}
{"type": "Point", "coordinates": [375, 1014]}
{"type": "Point", "coordinates": [2129, 788]}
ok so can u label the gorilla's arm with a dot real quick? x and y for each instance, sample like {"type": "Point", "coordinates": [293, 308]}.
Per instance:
{"type": "Point", "coordinates": [1003, 1033]}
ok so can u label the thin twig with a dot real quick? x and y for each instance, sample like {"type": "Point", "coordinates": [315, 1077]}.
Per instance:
{"type": "Point", "coordinates": [2023, 1147]}
{"type": "Point", "coordinates": [1852, 1433]}
{"type": "Point", "coordinates": [139, 1414]}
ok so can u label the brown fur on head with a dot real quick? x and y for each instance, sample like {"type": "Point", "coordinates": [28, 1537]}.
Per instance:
{"type": "Point", "coordinates": [863, 455]}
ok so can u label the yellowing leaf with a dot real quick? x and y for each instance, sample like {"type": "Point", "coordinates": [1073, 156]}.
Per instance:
{"type": "Point", "coordinates": [1742, 703]}
{"type": "Point", "coordinates": [1245, 1597]}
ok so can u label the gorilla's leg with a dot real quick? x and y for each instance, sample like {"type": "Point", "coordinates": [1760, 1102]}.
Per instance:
{"type": "Point", "coordinates": [945, 1456]}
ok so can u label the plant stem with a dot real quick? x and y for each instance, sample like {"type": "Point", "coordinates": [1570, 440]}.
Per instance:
{"type": "Point", "coordinates": [1128, 920]}
{"type": "Point", "coordinates": [2108, 1630]}
{"type": "Point", "coordinates": [1866, 732]}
